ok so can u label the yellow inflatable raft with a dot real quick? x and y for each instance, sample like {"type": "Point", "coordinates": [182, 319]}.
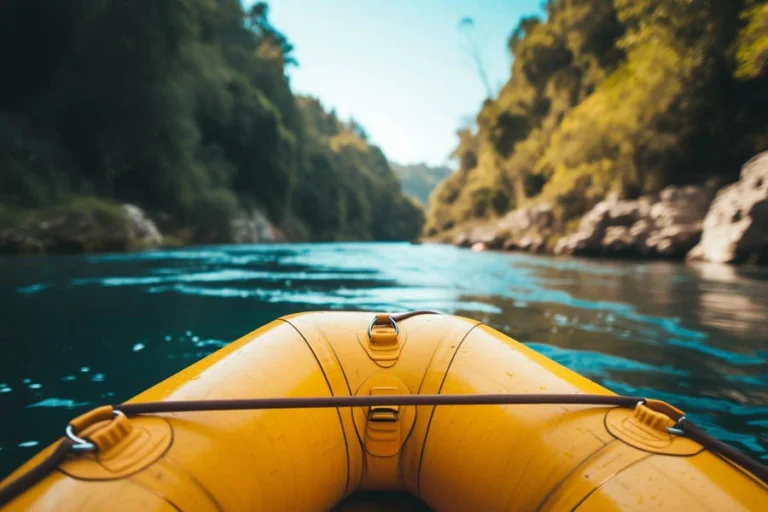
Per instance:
{"type": "Point", "coordinates": [304, 455]}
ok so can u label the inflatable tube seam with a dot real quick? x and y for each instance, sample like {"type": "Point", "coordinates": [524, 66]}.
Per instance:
{"type": "Point", "coordinates": [605, 481]}
{"type": "Point", "coordinates": [330, 390]}
{"type": "Point", "coordinates": [156, 494]}
{"type": "Point", "coordinates": [432, 413]}
{"type": "Point", "coordinates": [180, 468]}
{"type": "Point", "coordinates": [572, 472]}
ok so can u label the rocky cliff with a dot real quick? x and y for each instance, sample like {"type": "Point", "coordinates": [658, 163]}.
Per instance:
{"type": "Point", "coordinates": [736, 226]}
{"type": "Point", "coordinates": [679, 222]}
{"type": "Point", "coordinates": [663, 226]}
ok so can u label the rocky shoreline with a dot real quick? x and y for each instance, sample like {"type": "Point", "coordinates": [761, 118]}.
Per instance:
{"type": "Point", "coordinates": [84, 225]}
{"type": "Point", "coordinates": [96, 225]}
{"type": "Point", "coordinates": [690, 222]}
{"type": "Point", "coordinates": [694, 223]}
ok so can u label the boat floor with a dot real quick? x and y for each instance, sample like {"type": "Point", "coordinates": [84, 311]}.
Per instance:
{"type": "Point", "coordinates": [381, 502]}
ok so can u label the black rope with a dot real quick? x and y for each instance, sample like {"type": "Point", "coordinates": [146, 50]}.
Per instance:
{"type": "Point", "coordinates": [36, 473]}
{"type": "Point", "coordinates": [694, 432]}
{"type": "Point", "coordinates": [319, 402]}
{"type": "Point", "coordinates": [409, 314]}
{"type": "Point", "coordinates": [52, 461]}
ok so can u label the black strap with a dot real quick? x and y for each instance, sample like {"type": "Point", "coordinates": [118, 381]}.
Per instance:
{"type": "Point", "coordinates": [319, 402]}
{"type": "Point", "coordinates": [36, 473]}
{"type": "Point", "coordinates": [52, 461]}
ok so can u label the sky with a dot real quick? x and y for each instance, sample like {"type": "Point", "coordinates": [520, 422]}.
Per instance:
{"type": "Point", "coordinates": [397, 66]}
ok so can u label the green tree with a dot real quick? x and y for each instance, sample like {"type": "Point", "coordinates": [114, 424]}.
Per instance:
{"type": "Point", "coordinates": [184, 107]}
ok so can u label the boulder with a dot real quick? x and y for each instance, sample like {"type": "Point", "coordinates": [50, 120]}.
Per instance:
{"type": "Point", "coordinates": [592, 226]}
{"type": "Point", "coordinates": [142, 230]}
{"type": "Point", "coordinates": [617, 240]}
{"type": "Point", "coordinates": [665, 226]}
{"type": "Point", "coordinates": [524, 229]}
{"type": "Point", "coordinates": [562, 246]}
{"type": "Point", "coordinates": [84, 225]}
{"type": "Point", "coordinates": [461, 240]}
{"type": "Point", "coordinates": [538, 217]}
{"type": "Point", "coordinates": [527, 228]}
{"type": "Point", "coordinates": [510, 245]}
{"type": "Point", "coordinates": [674, 241]}
{"type": "Point", "coordinates": [680, 205]}
{"type": "Point", "coordinates": [533, 244]}
{"type": "Point", "coordinates": [624, 213]}
{"type": "Point", "coordinates": [490, 236]}
{"type": "Point", "coordinates": [587, 240]}
{"type": "Point", "coordinates": [735, 230]}
{"type": "Point", "coordinates": [578, 244]}
{"type": "Point", "coordinates": [641, 230]}
{"type": "Point", "coordinates": [253, 227]}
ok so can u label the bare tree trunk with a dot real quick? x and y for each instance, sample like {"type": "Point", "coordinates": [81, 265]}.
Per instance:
{"type": "Point", "coordinates": [470, 47]}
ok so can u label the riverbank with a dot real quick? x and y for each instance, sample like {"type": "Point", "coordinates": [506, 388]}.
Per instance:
{"type": "Point", "coordinates": [698, 223]}
{"type": "Point", "coordinates": [82, 224]}
{"type": "Point", "coordinates": [91, 225]}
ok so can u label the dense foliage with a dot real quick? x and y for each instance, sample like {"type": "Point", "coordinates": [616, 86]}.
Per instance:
{"type": "Point", "coordinates": [419, 180]}
{"type": "Point", "coordinates": [347, 187]}
{"type": "Point", "coordinates": [184, 108]}
{"type": "Point", "coordinates": [621, 96]}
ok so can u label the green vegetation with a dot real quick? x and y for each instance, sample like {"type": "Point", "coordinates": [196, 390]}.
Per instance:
{"type": "Point", "coordinates": [623, 96]}
{"type": "Point", "coordinates": [347, 190]}
{"type": "Point", "coordinates": [184, 108]}
{"type": "Point", "coordinates": [752, 51]}
{"type": "Point", "coordinates": [419, 180]}
{"type": "Point", "coordinates": [78, 224]}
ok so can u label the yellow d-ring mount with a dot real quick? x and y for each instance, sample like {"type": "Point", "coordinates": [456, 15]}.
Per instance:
{"type": "Point", "coordinates": [80, 422]}
{"type": "Point", "coordinates": [113, 445]}
{"type": "Point", "coordinates": [385, 340]}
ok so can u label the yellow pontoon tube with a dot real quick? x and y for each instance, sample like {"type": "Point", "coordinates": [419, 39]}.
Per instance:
{"type": "Point", "coordinates": [518, 456]}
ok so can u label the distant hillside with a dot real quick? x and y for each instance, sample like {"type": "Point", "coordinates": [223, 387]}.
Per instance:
{"type": "Point", "coordinates": [419, 180]}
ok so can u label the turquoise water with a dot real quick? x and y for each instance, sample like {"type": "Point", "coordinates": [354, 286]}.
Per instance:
{"type": "Point", "coordinates": [79, 331]}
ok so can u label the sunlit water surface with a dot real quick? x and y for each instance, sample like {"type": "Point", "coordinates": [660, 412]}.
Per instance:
{"type": "Point", "coordinates": [80, 331]}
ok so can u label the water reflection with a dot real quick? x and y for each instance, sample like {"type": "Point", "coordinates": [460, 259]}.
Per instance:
{"type": "Point", "coordinates": [88, 330]}
{"type": "Point", "coordinates": [720, 308]}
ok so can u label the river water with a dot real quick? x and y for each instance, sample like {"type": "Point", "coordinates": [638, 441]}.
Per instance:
{"type": "Point", "coordinates": [80, 331]}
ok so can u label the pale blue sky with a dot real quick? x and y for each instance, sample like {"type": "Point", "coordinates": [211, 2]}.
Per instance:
{"type": "Point", "coordinates": [397, 65]}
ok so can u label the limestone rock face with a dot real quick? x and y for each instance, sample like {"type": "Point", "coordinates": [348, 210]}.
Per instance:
{"type": "Point", "coordinates": [539, 216]}
{"type": "Point", "coordinates": [93, 225]}
{"type": "Point", "coordinates": [253, 227]}
{"type": "Point", "coordinates": [736, 226]}
{"type": "Point", "coordinates": [667, 226]}
{"type": "Point", "coordinates": [461, 240]}
{"type": "Point", "coordinates": [678, 222]}
{"type": "Point", "coordinates": [143, 229]}
{"type": "Point", "coordinates": [524, 229]}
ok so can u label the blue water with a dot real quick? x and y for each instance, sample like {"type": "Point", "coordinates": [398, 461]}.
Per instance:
{"type": "Point", "coordinates": [79, 331]}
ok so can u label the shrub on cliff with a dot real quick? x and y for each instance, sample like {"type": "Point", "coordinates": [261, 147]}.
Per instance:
{"type": "Point", "coordinates": [752, 51]}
